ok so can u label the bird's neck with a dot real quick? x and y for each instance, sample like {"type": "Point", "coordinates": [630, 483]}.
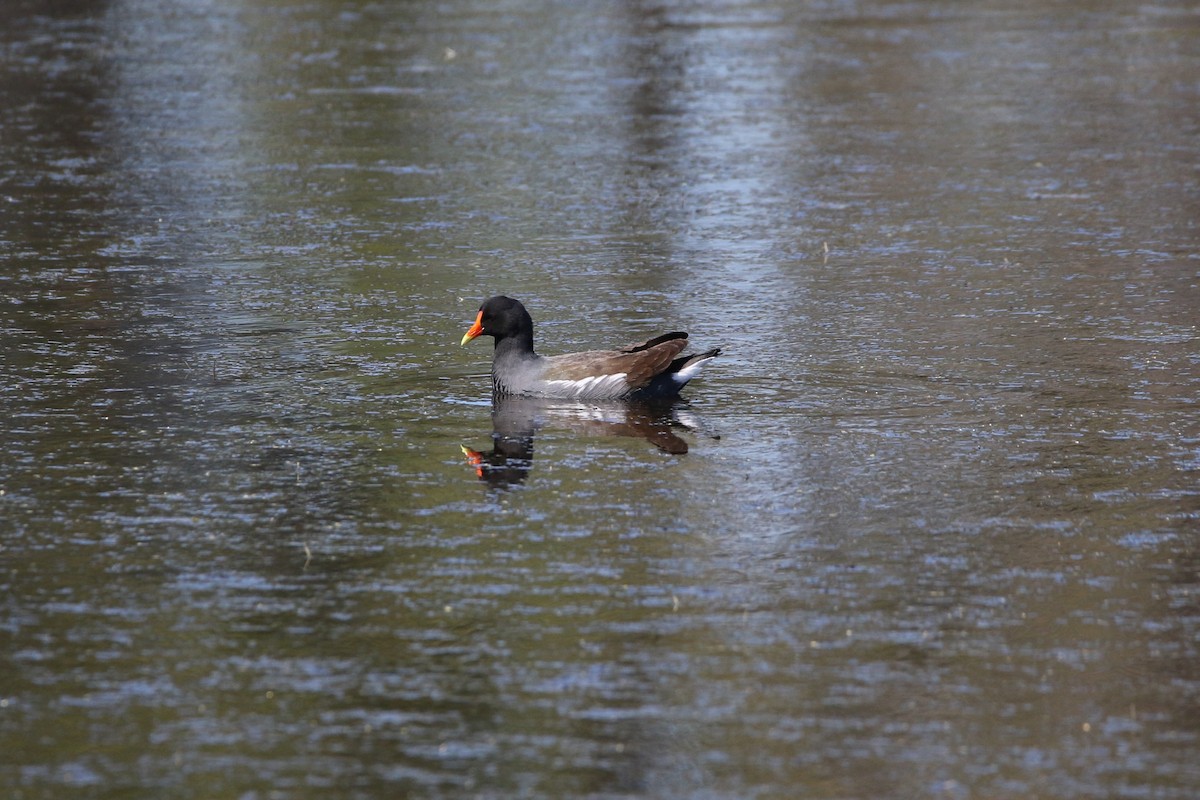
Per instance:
{"type": "Point", "coordinates": [519, 345]}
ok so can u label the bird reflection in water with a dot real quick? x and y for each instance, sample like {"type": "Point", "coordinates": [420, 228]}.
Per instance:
{"type": "Point", "coordinates": [516, 420]}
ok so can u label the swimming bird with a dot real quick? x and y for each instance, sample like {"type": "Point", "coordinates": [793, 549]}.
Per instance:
{"type": "Point", "coordinates": [650, 369]}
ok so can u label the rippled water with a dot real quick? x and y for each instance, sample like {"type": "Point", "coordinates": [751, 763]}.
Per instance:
{"type": "Point", "coordinates": [935, 533]}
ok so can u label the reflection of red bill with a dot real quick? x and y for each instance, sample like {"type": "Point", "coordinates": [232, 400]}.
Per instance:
{"type": "Point", "coordinates": [474, 457]}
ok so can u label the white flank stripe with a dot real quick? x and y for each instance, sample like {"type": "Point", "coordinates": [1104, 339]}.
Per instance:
{"type": "Point", "coordinates": [598, 386]}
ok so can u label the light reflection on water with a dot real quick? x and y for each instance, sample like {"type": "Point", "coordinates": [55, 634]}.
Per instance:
{"type": "Point", "coordinates": [933, 534]}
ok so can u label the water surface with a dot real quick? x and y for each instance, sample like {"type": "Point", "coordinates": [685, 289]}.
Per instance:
{"type": "Point", "coordinates": [935, 534]}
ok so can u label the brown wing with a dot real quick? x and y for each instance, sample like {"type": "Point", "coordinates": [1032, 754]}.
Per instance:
{"type": "Point", "coordinates": [640, 363]}
{"type": "Point", "coordinates": [646, 364]}
{"type": "Point", "coordinates": [657, 340]}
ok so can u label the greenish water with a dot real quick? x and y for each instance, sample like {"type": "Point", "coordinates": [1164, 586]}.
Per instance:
{"type": "Point", "coordinates": [935, 532]}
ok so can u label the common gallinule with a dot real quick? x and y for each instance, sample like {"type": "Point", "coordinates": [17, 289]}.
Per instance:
{"type": "Point", "coordinates": [652, 369]}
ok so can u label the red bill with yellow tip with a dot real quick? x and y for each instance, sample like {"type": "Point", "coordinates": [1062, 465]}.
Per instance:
{"type": "Point", "coordinates": [474, 330]}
